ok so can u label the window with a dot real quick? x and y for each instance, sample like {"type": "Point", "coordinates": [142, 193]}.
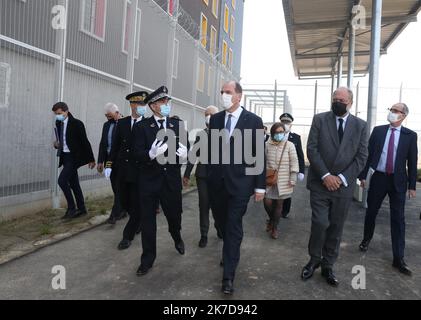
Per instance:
{"type": "Point", "coordinates": [172, 7]}
{"type": "Point", "coordinates": [233, 4]}
{"type": "Point", "coordinates": [226, 18]}
{"type": "Point", "coordinates": [211, 77]}
{"type": "Point", "coordinates": [5, 72]}
{"type": "Point", "coordinates": [126, 28]}
{"type": "Point", "coordinates": [232, 29]}
{"type": "Point", "coordinates": [201, 76]}
{"type": "Point", "coordinates": [224, 53]}
{"type": "Point", "coordinates": [230, 59]}
{"type": "Point", "coordinates": [203, 30]}
{"type": "Point", "coordinates": [213, 37]}
{"type": "Point", "coordinates": [215, 6]}
{"type": "Point", "coordinates": [94, 17]}
{"type": "Point", "coordinates": [175, 58]}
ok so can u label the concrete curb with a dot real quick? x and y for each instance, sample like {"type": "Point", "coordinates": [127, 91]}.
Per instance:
{"type": "Point", "coordinates": [20, 251]}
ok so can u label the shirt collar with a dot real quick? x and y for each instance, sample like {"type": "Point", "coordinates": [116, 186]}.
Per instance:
{"type": "Point", "coordinates": [158, 119]}
{"type": "Point", "coordinates": [137, 120]}
{"type": "Point", "coordinates": [344, 118]}
{"type": "Point", "coordinates": [397, 128]}
{"type": "Point", "coordinates": [236, 114]}
{"type": "Point", "coordinates": [66, 120]}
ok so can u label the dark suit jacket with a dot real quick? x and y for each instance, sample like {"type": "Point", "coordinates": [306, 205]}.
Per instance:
{"type": "Point", "coordinates": [77, 142]}
{"type": "Point", "coordinates": [296, 140]}
{"type": "Point", "coordinates": [405, 175]}
{"type": "Point", "coordinates": [233, 176]}
{"type": "Point", "coordinates": [152, 175]}
{"type": "Point", "coordinates": [121, 150]}
{"type": "Point", "coordinates": [327, 155]}
{"type": "Point", "coordinates": [103, 145]}
{"type": "Point", "coordinates": [201, 171]}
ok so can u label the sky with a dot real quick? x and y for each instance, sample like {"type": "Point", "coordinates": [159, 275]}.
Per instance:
{"type": "Point", "coordinates": [266, 57]}
{"type": "Point", "coordinates": [265, 37]}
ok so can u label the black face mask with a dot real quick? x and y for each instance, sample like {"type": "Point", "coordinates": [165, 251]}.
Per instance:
{"type": "Point", "coordinates": [339, 109]}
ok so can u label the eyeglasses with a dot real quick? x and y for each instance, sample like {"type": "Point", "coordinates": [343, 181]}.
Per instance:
{"type": "Point", "coordinates": [396, 111]}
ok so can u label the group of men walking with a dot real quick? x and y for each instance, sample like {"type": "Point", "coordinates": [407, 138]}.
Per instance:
{"type": "Point", "coordinates": [132, 149]}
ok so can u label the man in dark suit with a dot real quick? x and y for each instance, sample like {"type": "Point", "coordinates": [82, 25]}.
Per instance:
{"type": "Point", "coordinates": [74, 151]}
{"type": "Point", "coordinates": [159, 180]}
{"type": "Point", "coordinates": [337, 151]}
{"type": "Point", "coordinates": [122, 159]}
{"type": "Point", "coordinates": [202, 184]}
{"type": "Point", "coordinates": [393, 156]}
{"type": "Point", "coordinates": [108, 132]}
{"type": "Point", "coordinates": [287, 119]}
{"type": "Point", "coordinates": [234, 180]}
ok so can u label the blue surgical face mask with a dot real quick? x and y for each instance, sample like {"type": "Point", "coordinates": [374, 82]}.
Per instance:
{"type": "Point", "coordinates": [279, 137]}
{"type": "Point", "coordinates": [141, 111]}
{"type": "Point", "coordinates": [60, 117]}
{"type": "Point", "coordinates": [165, 110]}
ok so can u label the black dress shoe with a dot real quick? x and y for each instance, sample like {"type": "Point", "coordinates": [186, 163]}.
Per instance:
{"type": "Point", "coordinates": [69, 213]}
{"type": "Point", "coordinates": [364, 245]}
{"type": "Point", "coordinates": [227, 287]}
{"type": "Point", "coordinates": [139, 230]}
{"type": "Point", "coordinates": [330, 277]}
{"type": "Point", "coordinates": [203, 242]}
{"type": "Point", "coordinates": [402, 267]}
{"type": "Point", "coordinates": [112, 220]}
{"type": "Point", "coordinates": [309, 269]}
{"type": "Point", "coordinates": [79, 213]}
{"type": "Point", "coordinates": [285, 215]}
{"type": "Point", "coordinates": [179, 246]}
{"type": "Point", "coordinates": [142, 270]}
{"type": "Point", "coordinates": [124, 244]}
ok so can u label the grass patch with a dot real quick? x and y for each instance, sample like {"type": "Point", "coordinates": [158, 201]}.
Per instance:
{"type": "Point", "coordinates": [47, 223]}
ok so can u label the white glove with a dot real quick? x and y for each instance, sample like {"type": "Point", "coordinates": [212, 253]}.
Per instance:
{"type": "Point", "coordinates": [107, 173]}
{"type": "Point", "coordinates": [182, 152]}
{"type": "Point", "coordinates": [158, 148]}
{"type": "Point", "coordinates": [301, 176]}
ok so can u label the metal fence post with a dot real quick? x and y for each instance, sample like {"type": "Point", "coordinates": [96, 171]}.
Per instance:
{"type": "Point", "coordinates": [275, 101]}
{"type": "Point", "coordinates": [60, 70]}
{"type": "Point", "coordinates": [132, 45]}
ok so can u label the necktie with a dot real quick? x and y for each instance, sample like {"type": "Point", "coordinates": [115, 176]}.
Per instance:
{"type": "Point", "coordinates": [390, 153]}
{"type": "Point", "coordinates": [134, 122]}
{"type": "Point", "coordinates": [341, 130]}
{"type": "Point", "coordinates": [161, 124]}
{"type": "Point", "coordinates": [228, 127]}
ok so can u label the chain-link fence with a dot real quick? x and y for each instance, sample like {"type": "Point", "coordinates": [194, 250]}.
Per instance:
{"type": "Point", "coordinates": [88, 53]}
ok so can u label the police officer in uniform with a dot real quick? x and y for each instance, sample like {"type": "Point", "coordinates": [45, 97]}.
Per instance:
{"type": "Point", "coordinates": [287, 119]}
{"type": "Point", "coordinates": [122, 157]}
{"type": "Point", "coordinates": [159, 182]}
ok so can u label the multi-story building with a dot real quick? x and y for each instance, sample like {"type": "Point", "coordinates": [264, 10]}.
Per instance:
{"type": "Point", "coordinates": [231, 35]}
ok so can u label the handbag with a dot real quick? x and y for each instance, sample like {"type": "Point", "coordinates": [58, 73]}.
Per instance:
{"type": "Point", "coordinates": [272, 174]}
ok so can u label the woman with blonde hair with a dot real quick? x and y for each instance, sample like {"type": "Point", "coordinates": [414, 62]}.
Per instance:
{"type": "Point", "coordinates": [282, 169]}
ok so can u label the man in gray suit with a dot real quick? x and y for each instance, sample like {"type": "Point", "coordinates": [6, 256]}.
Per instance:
{"type": "Point", "coordinates": [202, 186]}
{"type": "Point", "coordinates": [337, 150]}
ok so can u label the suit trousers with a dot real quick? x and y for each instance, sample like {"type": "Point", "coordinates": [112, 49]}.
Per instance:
{"type": "Point", "coordinates": [69, 181]}
{"type": "Point", "coordinates": [204, 206]}
{"type": "Point", "coordinates": [380, 186]}
{"type": "Point", "coordinates": [171, 203]}
{"type": "Point", "coordinates": [286, 207]}
{"type": "Point", "coordinates": [229, 211]}
{"type": "Point", "coordinates": [129, 199]}
{"type": "Point", "coordinates": [329, 214]}
{"type": "Point", "coordinates": [117, 208]}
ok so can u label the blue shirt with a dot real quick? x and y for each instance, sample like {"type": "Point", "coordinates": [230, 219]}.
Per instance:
{"type": "Point", "coordinates": [383, 159]}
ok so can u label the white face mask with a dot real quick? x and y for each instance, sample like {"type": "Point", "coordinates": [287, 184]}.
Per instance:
{"type": "Point", "coordinates": [287, 128]}
{"type": "Point", "coordinates": [393, 117]}
{"type": "Point", "coordinates": [208, 120]}
{"type": "Point", "coordinates": [227, 101]}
